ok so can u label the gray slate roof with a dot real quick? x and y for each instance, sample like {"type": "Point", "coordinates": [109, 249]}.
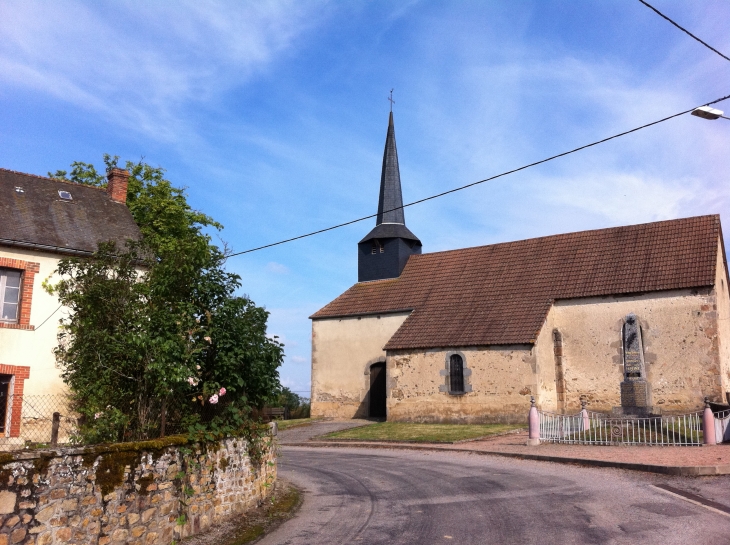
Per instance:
{"type": "Point", "coordinates": [390, 190]}
{"type": "Point", "coordinates": [39, 218]}
{"type": "Point", "coordinates": [390, 230]}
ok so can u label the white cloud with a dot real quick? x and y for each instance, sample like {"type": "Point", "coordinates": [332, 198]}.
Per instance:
{"type": "Point", "coordinates": [276, 268]}
{"type": "Point", "coordinates": [298, 359]}
{"type": "Point", "coordinates": [621, 198]}
{"type": "Point", "coordinates": [141, 64]}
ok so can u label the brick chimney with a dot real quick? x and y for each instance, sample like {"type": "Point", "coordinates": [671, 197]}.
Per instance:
{"type": "Point", "coordinates": [117, 186]}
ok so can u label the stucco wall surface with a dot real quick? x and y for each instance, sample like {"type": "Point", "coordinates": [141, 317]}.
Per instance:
{"type": "Point", "coordinates": [147, 494]}
{"type": "Point", "coordinates": [500, 377]}
{"type": "Point", "coordinates": [342, 351]}
{"type": "Point", "coordinates": [681, 341]}
{"type": "Point", "coordinates": [723, 319]}
{"type": "Point", "coordinates": [680, 337]}
{"type": "Point", "coordinates": [35, 348]}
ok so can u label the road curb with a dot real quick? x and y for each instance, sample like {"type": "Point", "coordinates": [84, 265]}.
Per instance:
{"type": "Point", "coordinates": [693, 471]}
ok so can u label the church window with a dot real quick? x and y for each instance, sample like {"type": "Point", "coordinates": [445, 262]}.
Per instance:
{"type": "Point", "coordinates": [377, 247]}
{"type": "Point", "coordinates": [456, 374]}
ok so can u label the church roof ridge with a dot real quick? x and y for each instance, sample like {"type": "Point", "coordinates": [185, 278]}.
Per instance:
{"type": "Point", "coordinates": [543, 237]}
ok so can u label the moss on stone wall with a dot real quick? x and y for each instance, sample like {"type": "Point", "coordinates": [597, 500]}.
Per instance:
{"type": "Point", "coordinates": [144, 492]}
{"type": "Point", "coordinates": [110, 471]}
{"type": "Point", "coordinates": [144, 482]}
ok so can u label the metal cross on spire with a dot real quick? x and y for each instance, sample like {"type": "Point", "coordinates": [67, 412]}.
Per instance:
{"type": "Point", "coordinates": [391, 100]}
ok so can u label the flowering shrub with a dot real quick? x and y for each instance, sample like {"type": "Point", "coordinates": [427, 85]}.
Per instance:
{"type": "Point", "coordinates": [156, 329]}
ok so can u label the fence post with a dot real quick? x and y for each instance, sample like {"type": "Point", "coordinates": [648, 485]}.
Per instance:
{"type": "Point", "coordinates": [584, 413]}
{"type": "Point", "coordinates": [54, 428]}
{"type": "Point", "coordinates": [708, 424]}
{"type": "Point", "coordinates": [533, 424]}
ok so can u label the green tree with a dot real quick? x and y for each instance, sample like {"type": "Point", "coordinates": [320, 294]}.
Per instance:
{"type": "Point", "coordinates": [297, 405]}
{"type": "Point", "coordinates": [159, 324]}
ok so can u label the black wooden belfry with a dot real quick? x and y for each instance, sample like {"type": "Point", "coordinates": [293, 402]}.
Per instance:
{"type": "Point", "coordinates": [385, 250]}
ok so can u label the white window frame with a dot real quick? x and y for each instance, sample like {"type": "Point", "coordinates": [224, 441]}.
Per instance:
{"type": "Point", "coordinates": [3, 278]}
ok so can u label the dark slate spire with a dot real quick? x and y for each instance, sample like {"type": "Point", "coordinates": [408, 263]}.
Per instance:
{"type": "Point", "coordinates": [390, 192]}
{"type": "Point", "coordinates": [385, 250]}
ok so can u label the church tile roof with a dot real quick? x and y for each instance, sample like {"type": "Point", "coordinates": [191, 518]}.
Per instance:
{"type": "Point", "coordinates": [500, 294]}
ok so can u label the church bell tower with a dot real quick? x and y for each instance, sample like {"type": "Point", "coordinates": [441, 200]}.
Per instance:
{"type": "Point", "coordinates": [385, 250]}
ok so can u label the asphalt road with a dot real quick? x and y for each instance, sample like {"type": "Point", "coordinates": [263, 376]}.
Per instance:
{"type": "Point", "coordinates": [377, 496]}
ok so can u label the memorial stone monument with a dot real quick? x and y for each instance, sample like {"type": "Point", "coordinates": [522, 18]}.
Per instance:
{"type": "Point", "coordinates": [635, 390]}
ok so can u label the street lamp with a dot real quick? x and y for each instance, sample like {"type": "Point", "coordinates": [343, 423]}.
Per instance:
{"type": "Point", "coordinates": [705, 112]}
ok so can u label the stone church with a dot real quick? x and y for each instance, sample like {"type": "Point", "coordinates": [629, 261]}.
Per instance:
{"type": "Point", "coordinates": [635, 316]}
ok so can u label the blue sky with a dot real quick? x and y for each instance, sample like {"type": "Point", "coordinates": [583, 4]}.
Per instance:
{"type": "Point", "coordinates": [273, 115]}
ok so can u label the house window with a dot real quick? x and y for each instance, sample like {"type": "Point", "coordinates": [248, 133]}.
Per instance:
{"type": "Point", "coordinates": [375, 249]}
{"type": "Point", "coordinates": [12, 380]}
{"type": "Point", "coordinates": [456, 374]}
{"type": "Point", "coordinates": [9, 295]}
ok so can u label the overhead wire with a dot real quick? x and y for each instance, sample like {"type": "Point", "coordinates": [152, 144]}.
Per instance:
{"type": "Point", "coordinates": [460, 188]}
{"type": "Point", "coordinates": [49, 317]}
{"type": "Point", "coordinates": [684, 29]}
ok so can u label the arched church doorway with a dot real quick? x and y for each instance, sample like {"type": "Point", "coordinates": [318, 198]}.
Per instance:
{"type": "Point", "coordinates": [377, 390]}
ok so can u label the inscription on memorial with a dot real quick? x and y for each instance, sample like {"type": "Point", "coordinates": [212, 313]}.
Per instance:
{"type": "Point", "coordinates": [635, 390]}
{"type": "Point", "coordinates": [633, 350]}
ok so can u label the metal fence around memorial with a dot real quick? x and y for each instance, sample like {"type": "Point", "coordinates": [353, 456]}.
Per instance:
{"type": "Point", "coordinates": [722, 426]}
{"type": "Point", "coordinates": [590, 428]}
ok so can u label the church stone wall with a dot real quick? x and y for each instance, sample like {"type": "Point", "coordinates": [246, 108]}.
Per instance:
{"type": "Point", "coordinates": [723, 318]}
{"type": "Point", "coordinates": [342, 351]}
{"type": "Point", "coordinates": [685, 350]}
{"type": "Point", "coordinates": [500, 377]}
{"type": "Point", "coordinates": [681, 340]}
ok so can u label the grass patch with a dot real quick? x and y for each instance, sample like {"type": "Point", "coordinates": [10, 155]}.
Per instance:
{"type": "Point", "coordinates": [287, 424]}
{"type": "Point", "coordinates": [421, 433]}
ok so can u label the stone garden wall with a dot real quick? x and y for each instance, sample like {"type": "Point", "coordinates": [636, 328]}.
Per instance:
{"type": "Point", "coordinates": [144, 493]}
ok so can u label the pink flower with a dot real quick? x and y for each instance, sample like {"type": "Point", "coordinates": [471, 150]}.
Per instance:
{"type": "Point", "coordinates": [222, 392]}
{"type": "Point", "coordinates": [213, 399]}
{"type": "Point", "coordinates": [97, 416]}
{"type": "Point", "coordinates": [207, 339]}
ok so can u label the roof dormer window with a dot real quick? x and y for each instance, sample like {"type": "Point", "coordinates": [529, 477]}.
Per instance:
{"type": "Point", "coordinates": [65, 195]}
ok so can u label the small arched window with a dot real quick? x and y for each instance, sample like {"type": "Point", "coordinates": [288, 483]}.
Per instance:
{"type": "Point", "coordinates": [456, 374]}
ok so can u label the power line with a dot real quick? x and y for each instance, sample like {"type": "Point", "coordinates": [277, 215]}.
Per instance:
{"type": "Point", "coordinates": [478, 182]}
{"type": "Point", "coordinates": [49, 317]}
{"type": "Point", "coordinates": [684, 29]}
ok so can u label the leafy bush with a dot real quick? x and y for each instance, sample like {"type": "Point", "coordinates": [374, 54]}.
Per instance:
{"type": "Point", "coordinates": [157, 327]}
